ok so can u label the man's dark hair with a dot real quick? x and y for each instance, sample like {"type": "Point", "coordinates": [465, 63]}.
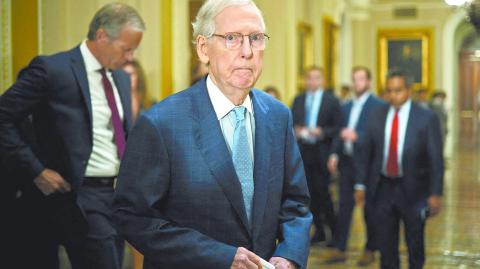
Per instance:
{"type": "Point", "coordinates": [364, 69]}
{"type": "Point", "coordinates": [397, 72]}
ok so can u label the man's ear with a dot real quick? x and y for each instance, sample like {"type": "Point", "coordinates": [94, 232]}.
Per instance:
{"type": "Point", "coordinates": [101, 35]}
{"type": "Point", "coordinates": [202, 49]}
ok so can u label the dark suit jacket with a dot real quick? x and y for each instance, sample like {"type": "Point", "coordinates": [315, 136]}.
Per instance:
{"type": "Point", "coordinates": [329, 119]}
{"type": "Point", "coordinates": [54, 90]}
{"type": "Point", "coordinates": [422, 154]}
{"type": "Point", "coordinates": [178, 199]}
{"type": "Point", "coordinates": [370, 104]}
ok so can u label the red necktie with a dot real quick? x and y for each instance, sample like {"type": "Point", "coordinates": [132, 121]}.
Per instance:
{"type": "Point", "coordinates": [392, 161]}
{"type": "Point", "coordinates": [118, 132]}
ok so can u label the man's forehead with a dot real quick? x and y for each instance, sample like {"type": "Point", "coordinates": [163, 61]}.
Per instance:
{"type": "Point", "coordinates": [239, 17]}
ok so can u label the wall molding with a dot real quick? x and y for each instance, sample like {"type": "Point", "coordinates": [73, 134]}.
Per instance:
{"type": "Point", "coordinates": [5, 45]}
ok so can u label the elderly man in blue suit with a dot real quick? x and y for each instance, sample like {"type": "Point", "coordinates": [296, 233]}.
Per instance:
{"type": "Point", "coordinates": [401, 165]}
{"type": "Point", "coordinates": [212, 176]}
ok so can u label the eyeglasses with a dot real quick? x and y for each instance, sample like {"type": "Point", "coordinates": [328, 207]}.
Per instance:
{"type": "Point", "coordinates": [258, 41]}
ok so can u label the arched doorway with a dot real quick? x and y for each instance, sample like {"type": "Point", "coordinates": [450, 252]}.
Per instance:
{"type": "Point", "coordinates": [469, 91]}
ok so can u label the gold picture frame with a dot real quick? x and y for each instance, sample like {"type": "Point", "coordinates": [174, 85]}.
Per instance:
{"type": "Point", "coordinates": [408, 49]}
{"type": "Point", "coordinates": [330, 42]}
{"type": "Point", "coordinates": [305, 51]}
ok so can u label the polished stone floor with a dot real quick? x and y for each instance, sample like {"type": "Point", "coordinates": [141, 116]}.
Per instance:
{"type": "Point", "coordinates": [452, 238]}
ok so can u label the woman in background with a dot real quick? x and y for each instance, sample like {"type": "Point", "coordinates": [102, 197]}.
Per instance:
{"type": "Point", "coordinates": [140, 98]}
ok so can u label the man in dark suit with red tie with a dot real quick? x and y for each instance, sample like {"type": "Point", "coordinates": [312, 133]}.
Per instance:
{"type": "Point", "coordinates": [81, 113]}
{"type": "Point", "coordinates": [401, 165]}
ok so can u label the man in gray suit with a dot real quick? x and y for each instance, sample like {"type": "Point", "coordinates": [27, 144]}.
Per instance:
{"type": "Point", "coordinates": [212, 176]}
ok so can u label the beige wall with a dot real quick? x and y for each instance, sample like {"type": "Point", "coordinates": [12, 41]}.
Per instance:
{"type": "Point", "coordinates": [282, 19]}
{"type": "Point", "coordinates": [365, 26]}
{"type": "Point", "coordinates": [65, 25]}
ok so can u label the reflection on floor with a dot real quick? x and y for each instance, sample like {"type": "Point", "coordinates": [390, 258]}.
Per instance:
{"type": "Point", "coordinates": [453, 238]}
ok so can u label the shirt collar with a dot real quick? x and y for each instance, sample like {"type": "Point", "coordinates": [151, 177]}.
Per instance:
{"type": "Point", "coordinates": [404, 108]}
{"type": "Point", "coordinates": [315, 92]}
{"type": "Point", "coordinates": [363, 98]}
{"type": "Point", "coordinates": [91, 63]}
{"type": "Point", "coordinates": [221, 104]}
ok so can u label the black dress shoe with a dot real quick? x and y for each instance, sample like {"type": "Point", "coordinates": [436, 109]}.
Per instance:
{"type": "Point", "coordinates": [330, 244]}
{"type": "Point", "coordinates": [318, 237]}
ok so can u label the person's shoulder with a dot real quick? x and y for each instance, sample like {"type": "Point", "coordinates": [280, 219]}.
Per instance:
{"type": "Point", "coordinates": [347, 104]}
{"type": "Point", "coordinates": [375, 100]}
{"type": "Point", "coordinates": [62, 55]}
{"type": "Point", "coordinates": [299, 96]}
{"type": "Point", "coordinates": [422, 113]}
{"type": "Point", "coordinates": [271, 103]}
{"type": "Point", "coordinates": [174, 106]}
{"type": "Point", "coordinates": [57, 61]}
{"type": "Point", "coordinates": [379, 108]}
{"type": "Point", "coordinates": [330, 97]}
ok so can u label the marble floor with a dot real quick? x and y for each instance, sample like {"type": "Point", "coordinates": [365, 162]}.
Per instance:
{"type": "Point", "coordinates": [452, 238]}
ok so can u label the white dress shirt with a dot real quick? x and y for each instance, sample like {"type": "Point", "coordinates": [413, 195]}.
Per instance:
{"type": "Point", "coordinates": [403, 116]}
{"type": "Point", "coordinates": [222, 106]}
{"type": "Point", "coordinates": [104, 160]}
{"type": "Point", "coordinates": [313, 102]}
{"type": "Point", "coordinates": [357, 107]}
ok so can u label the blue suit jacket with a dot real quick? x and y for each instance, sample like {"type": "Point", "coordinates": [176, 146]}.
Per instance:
{"type": "Point", "coordinates": [422, 154]}
{"type": "Point", "coordinates": [54, 90]}
{"type": "Point", "coordinates": [370, 104]}
{"type": "Point", "coordinates": [178, 199]}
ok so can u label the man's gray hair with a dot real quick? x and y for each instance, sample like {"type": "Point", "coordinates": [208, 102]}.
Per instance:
{"type": "Point", "coordinates": [205, 21]}
{"type": "Point", "coordinates": [112, 17]}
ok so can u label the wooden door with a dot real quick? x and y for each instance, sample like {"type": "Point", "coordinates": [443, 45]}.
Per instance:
{"type": "Point", "coordinates": [469, 84]}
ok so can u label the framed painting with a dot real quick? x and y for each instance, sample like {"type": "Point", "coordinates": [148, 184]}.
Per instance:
{"type": "Point", "coordinates": [408, 49]}
{"type": "Point", "coordinates": [305, 51]}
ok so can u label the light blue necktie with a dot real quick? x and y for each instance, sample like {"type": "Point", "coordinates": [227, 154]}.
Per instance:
{"type": "Point", "coordinates": [242, 159]}
{"type": "Point", "coordinates": [308, 109]}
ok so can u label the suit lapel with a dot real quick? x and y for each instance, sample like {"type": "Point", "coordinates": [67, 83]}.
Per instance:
{"type": "Point", "coordinates": [211, 143]}
{"type": "Point", "coordinates": [262, 161]}
{"type": "Point", "coordinates": [409, 133]}
{"type": "Point", "coordinates": [302, 111]}
{"type": "Point", "coordinates": [361, 119]}
{"type": "Point", "coordinates": [78, 67]}
{"type": "Point", "coordinates": [381, 132]}
{"type": "Point", "coordinates": [125, 97]}
{"type": "Point", "coordinates": [323, 108]}
{"type": "Point", "coordinates": [347, 110]}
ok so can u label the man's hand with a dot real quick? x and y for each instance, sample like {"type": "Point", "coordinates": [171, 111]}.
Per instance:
{"type": "Point", "coordinates": [316, 132]}
{"type": "Point", "coordinates": [360, 198]}
{"type": "Point", "coordinates": [333, 164]}
{"type": "Point", "coordinates": [245, 259]}
{"type": "Point", "coordinates": [50, 181]}
{"type": "Point", "coordinates": [300, 131]}
{"type": "Point", "coordinates": [282, 263]}
{"type": "Point", "coordinates": [349, 135]}
{"type": "Point", "coordinates": [435, 205]}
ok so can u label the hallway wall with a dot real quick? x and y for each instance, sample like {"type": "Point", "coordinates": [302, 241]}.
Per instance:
{"type": "Point", "coordinates": [367, 22]}
{"type": "Point", "coordinates": [63, 24]}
